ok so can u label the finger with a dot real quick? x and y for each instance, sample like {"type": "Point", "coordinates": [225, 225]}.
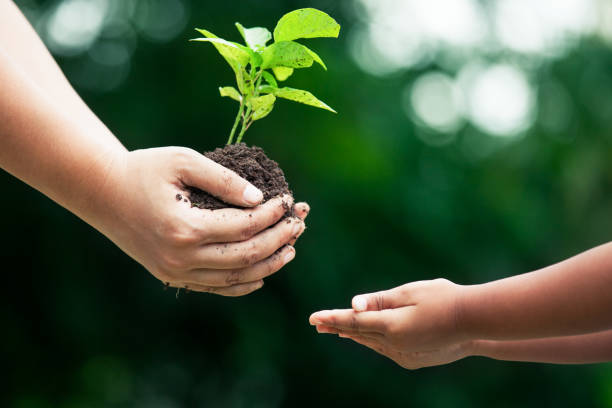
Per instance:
{"type": "Point", "coordinates": [243, 254]}
{"type": "Point", "coordinates": [373, 345]}
{"type": "Point", "coordinates": [199, 171]}
{"type": "Point", "coordinates": [225, 277]}
{"type": "Point", "coordinates": [301, 210]}
{"type": "Point", "coordinates": [351, 320]}
{"type": "Point", "coordinates": [295, 238]}
{"type": "Point", "coordinates": [232, 291]}
{"type": "Point", "coordinates": [364, 341]}
{"type": "Point", "coordinates": [386, 299]}
{"type": "Point", "coordinates": [233, 224]}
{"type": "Point", "coordinates": [239, 290]}
{"type": "Point", "coordinates": [322, 329]}
{"type": "Point", "coordinates": [345, 333]}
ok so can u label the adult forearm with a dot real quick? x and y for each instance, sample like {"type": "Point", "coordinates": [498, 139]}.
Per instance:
{"type": "Point", "coordinates": [65, 158]}
{"type": "Point", "coordinates": [569, 298]}
{"type": "Point", "coordinates": [581, 349]}
{"type": "Point", "coordinates": [21, 43]}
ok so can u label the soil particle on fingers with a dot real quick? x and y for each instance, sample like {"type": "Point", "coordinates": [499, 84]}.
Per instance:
{"type": "Point", "coordinates": [250, 163]}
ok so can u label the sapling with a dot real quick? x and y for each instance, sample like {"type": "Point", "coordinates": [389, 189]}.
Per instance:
{"type": "Point", "coordinates": [260, 67]}
{"type": "Point", "coordinates": [265, 60]}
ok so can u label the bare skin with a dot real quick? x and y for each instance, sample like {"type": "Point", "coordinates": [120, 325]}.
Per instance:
{"type": "Point", "coordinates": [559, 314]}
{"type": "Point", "coordinates": [52, 141]}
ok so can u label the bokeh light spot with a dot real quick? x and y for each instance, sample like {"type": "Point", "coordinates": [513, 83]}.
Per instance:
{"type": "Point", "coordinates": [500, 100]}
{"type": "Point", "coordinates": [435, 101]}
{"type": "Point", "coordinates": [75, 24]}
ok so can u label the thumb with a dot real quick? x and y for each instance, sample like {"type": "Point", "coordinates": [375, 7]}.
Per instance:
{"type": "Point", "coordinates": [201, 172]}
{"type": "Point", "coordinates": [386, 299]}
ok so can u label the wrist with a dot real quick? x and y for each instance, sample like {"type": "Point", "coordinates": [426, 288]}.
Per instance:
{"type": "Point", "coordinates": [479, 348]}
{"type": "Point", "coordinates": [462, 314]}
{"type": "Point", "coordinates": [107, 172]}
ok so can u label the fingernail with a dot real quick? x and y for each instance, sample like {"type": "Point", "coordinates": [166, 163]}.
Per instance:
{"type": "Point", "coordinates": [297, 227]}
{"type": "Point", "coordinates": [360, 303]}
{"type": "Point", "coordinates": [252, 195]}
{"type": "Point", "coordinates": [289, 256]}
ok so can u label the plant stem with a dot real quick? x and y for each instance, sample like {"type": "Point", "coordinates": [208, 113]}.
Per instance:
{"type": "Point", "coordinates": [245, 126]}
{"type": "Point", "coordinates": [256, 77]}
{"type": "Point", "coordinates": [258, 82]}
{"type": "Point", "coordinates": [231, 136]}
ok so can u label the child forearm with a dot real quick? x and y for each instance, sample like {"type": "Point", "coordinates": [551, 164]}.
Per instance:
{"type": "Point", "coordinates": [581, 349]}
{"type": "Point", "coordinates": [569, 298]}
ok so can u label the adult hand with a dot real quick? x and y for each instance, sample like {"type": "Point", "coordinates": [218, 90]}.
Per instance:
{"type": "Point", "coordinates": [416, 324]}
{"type": "Point", "coordinates": [228, 251]}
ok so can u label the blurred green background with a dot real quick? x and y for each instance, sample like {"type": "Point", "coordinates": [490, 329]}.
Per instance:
{"type": "Point", "coordinates": [473, 142]}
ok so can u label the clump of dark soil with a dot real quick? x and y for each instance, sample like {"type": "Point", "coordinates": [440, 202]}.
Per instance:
{"type": "Point", "coordinates": [252, 164]}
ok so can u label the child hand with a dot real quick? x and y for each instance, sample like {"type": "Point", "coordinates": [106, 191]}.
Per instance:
{"type": "Point", "coordinates": [416, 324]}
{"type": "Point", "coordinates": [415, 359]}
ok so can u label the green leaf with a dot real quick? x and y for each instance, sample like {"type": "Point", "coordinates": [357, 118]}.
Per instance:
{"type": "Point", "coordinates": [230, 92]}
{"type": "Point", "coordinates": [256, 37]}
{"type": "Point", "coordinates": [282, 73]}
{"type": "Point", "coordinates": [305, 23]}
{"type": "Point", "coordinates": [305, 97]}
{"type": "Point", "coordinates": [316, 57]}
{"type": "Point", "coordinates": [236, 55]}
{"type": "Point", "coordinates": [269, 78]}
{"type": "Point", "coordinates": [266, 89]}
{"type": "Point", "coordinates": [288, 54]}
{"type": "Point", "coordinates": [262, 106]}
{"type": "Point", "coordinates": [244, 84]}
{"type": "Point", "coordinates": [256, 59]}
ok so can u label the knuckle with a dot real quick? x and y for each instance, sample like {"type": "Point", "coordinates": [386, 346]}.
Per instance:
{"type": "Point", "coordinates": [353, 323]}
{"type": "Point", "coordinates": [276, 264]}
{"type": "Point", "coordinates": [180, 152]}
{"type": "Point", "coordinates": [182, 237]}
{"type": "Point", "coordinates": [380, 301]}
{"type": "Point", "coordinates": [251, 229]}
{"type": "Point", "coordinates": [226, 182]}
{"type": "Point", "coordinates": [250, 255]}
{"type": "Point", "coordinates": [233, 277]}
{"type": "Point", "coordinates": [406, 289]}
{"type": "Point", "coordinates": [392, 330]}
{"type": "Point", "coordinates": [181, 156]}
{"type": "Point", "coordinates": [171, 263]}
{"type": "Point", "coordinates": [177, 232]}
{"type": "Point", "coordinates": [268, 267]}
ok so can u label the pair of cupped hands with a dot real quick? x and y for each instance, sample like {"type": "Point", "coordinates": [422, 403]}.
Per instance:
{"type": "Point", "coordinates": [230, 251]}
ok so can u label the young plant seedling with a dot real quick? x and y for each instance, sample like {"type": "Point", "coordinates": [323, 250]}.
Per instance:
{"type": "Point", "coordinates": [257, 86]}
